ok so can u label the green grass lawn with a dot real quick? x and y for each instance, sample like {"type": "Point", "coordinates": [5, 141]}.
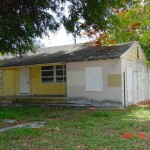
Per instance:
{"type": "Point", "coordinates": [77, 129]}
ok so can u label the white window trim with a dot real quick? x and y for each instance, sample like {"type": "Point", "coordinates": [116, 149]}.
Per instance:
{"type": "Point", "coordinates": [54, 76]}
{"type": "Point", "coordinates": [47, 76]}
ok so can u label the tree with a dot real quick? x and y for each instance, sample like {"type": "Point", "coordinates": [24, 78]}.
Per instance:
{"type": "Point", "coordinates": [21, 21]}
{"type": "Point", "coordinates": [132, 24]}
{"type": "Point", "coordinates": [38, 43]}
{"type": "Point", "coordinates": [128, 23]}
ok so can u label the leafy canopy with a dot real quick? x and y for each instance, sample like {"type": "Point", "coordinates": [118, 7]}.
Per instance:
{"type": "Point", "coordinates": [23, 20]}
{"type": "Point", "coordinates": [128, 23]}
{"type": "Point", "coordinates": [132, 24]}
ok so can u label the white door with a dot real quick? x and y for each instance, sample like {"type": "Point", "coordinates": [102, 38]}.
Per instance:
{"type": "Point", "coordinates": [135, 88]}
{"type": "Point", "coordinates": [24, 81]}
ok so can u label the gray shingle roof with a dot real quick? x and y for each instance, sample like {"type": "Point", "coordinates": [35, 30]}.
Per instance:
{"type": "Point", "coordinates": [67, 53]}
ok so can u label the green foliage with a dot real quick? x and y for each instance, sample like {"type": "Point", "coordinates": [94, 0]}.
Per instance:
{"type": "Point", "coordinates": [54, 115]}
{"type": "Point", "coordinates": [23, 20]}
{"type": "Point", "coordinates": [21, 112]}
{"type": "Point", "coordinates": [131, 24]}
{"type": "Point", "coordinates": [87, 14]}
{"type": "Point", "coordinates": [101, 114]}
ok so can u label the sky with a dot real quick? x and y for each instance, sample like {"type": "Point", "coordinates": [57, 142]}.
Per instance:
{"type": "Point", "coordinates": [61, 38]}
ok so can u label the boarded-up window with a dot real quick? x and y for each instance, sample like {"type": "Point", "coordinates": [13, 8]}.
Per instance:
{"type": "Point", "coordinates": [114, 80]}
{"type": "Point", "coordinates": [93, 79]}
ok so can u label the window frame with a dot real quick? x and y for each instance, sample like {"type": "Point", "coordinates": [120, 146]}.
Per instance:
{"type": "Point", "coordinates": [47, 76]}
{"type": "Point", "coordinates": [54, 74]}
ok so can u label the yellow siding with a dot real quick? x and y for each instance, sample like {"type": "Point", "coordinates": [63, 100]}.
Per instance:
{"type": "Point", "coordinates": [44, 88]}
{"type": "Point", "coordinates": [11, 83]}
{"type": "Point", "coordinates": [1, 88]}
{"type": "Point", "coordinates": [1, 80]}
{"type": "Point", "coordinates": [8, 85]}
{"type": "Point", "coordinates": [17, 80]}
{"type": "Point", "coordinates": [132, 54]}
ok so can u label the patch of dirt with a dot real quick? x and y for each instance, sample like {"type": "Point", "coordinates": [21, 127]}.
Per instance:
{"type": "Point", "coordinates": [142, 104]}
{"type": "Point", "coordinates": [17, 122]}
{"type": "Point", "coordinates": [81, 147]}
{"type": "Point", "coordinates": [29, 125]}
{"type": "Point", "coordinates": [5, 125]}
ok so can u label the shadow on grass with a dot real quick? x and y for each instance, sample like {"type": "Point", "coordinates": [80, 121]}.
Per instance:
{"type": "Point", "coordinates": [72, 129]}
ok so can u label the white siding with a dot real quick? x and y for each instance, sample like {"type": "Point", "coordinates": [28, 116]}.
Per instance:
{"type": "Point", "coordinates": [139, 76]}
{"type": "Point", "coordinates": [76, 86]}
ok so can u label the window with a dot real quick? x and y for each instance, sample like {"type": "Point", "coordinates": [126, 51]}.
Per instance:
{"type": "Point", "coordinates": [53, 74]}
{"type": "Point", "coordinates": [47, 73]}
{"type": "Point", "coordinates": [60, 73]}
{"type": "Point", "coordinates": [93, 79]}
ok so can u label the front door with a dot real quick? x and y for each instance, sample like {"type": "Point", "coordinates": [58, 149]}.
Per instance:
{"type": "Point", "coordinates": [24, 81]}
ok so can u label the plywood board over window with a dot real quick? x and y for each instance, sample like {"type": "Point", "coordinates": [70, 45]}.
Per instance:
{"type": "Point", "coordinates": [93, 79]}
{"type": "Point", "coordinates": [114, 80]}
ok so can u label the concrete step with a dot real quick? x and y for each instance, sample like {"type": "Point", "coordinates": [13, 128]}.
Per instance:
{"type": "Point", "coordinates": [42, 105]}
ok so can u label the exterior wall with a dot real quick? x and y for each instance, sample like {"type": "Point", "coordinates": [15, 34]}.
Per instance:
{"type": "Point", "coordinates": [10, 85]}
{"type": "Point", "coordinates": [140, 84]}
{"type": "Point", "coordinates": [1, 88]}
{"type": "Point", "coordinates": [131, 54]}
{"type": "Point", "coordinates": [76, 80]}
{"type": "Point", "coordinates": [44, 88]}
{"type": "Point", "coordinates": [17, 77]}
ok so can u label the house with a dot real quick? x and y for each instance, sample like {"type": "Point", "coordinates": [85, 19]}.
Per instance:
{"type": "Point", "coordinates": [82, 73]}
